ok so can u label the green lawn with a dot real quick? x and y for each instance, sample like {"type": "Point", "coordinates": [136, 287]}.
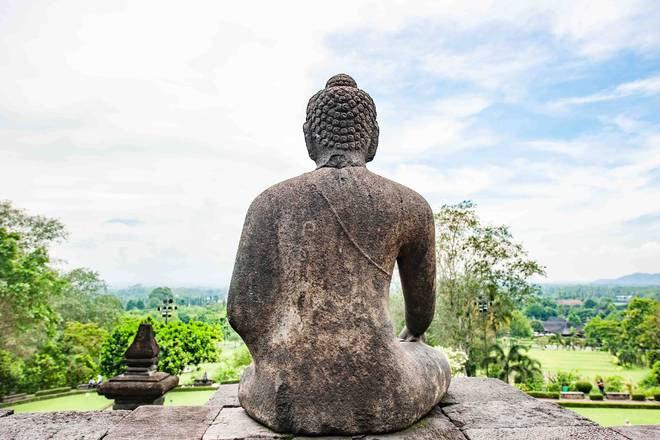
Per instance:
{"type": "Point", "coordinates": [93, 402]}
{"type": "Point", "coordinates": [587, 363]}
{"type": "Point", "coordinates": [618, 417]}
{"type": "Point", "coordinates": [188, 398]}
{"type": "Point", "coordinates": [77, 402]}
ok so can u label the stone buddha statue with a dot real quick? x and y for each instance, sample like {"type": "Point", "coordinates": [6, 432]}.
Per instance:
{"type": "Point", "coordinates": [310, 287]}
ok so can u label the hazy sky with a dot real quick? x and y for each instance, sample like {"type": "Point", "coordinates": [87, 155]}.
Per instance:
{"type": "Point", "coordinates": [148, 127]}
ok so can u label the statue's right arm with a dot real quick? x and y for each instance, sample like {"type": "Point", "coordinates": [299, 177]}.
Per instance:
{"type": "Point", "coordinates": [254, 277]}
{"type": "Point", "coordinates": [416, 262]}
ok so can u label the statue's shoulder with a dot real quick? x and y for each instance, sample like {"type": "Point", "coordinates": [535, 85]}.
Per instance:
{"type": "Point", "coordinates": [400, 193]}
{"type": "Point", "coordinates": [280, 193]}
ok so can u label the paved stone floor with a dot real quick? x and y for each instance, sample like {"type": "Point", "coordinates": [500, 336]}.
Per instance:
{"type": "Point", "coordinates": [474, 409]}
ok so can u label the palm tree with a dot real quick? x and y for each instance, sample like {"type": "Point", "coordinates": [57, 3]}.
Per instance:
{"type": "Point", "coordinates": [515, 362]}
{"type": "Point", "coordinates": [556, 339]}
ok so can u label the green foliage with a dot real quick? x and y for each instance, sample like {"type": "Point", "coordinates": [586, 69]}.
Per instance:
{"type": "Point", "coordinates": [483, 273]}
{"type": "Point", "coordinates": [603, 333]}
{"type": "Point", "coordinates": [158, 295]}
{"type": "Point", "coordinates": [180, 345]}
{"type": "Point", "coordinates": [558, 380]}
{"type": "Point", "coordinates": [519, 327]}
{"type": "Point", "coordinates": [43, 371]}
{"type": "Point", "coordinates": [27, 285]}
{"type": "Point", "coordinates": [241, 357]}
{"type": "Point", "coordinates": [595, 396]}
{"type": "Point", "coordinates": [536, 325]}
{"type": "Point", "coordinates": [583, 387]}
{"type": "Point", "coordinates": [613, 384]}
{"type": "Point", "coordinates": [544, 394]}
{"type": "Point", "coordinates": [512, 363]}
{"type": "Point", "coordinates": [638, 396]}
{"type": "Point", "coordinates": [11, 372]}
{"type": "Point", "coordinates": [652, 379]}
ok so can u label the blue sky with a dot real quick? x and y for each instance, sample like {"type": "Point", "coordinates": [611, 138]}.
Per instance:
{"type": "Point", "coordinates": [148, 127]}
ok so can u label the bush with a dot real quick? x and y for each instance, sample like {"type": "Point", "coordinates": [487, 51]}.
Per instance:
{"type": "Point", "coordinates": [595, 396]}
{"type": "Point", "coordinates": [637, 396]}
{"type": "Point", "coordinates": [11, 373]}
{"type": "Point", "coordinates": [614, 384]}
{"type": "Point", "coordinates": [584, 387]}
{"type": "Point", "coordinates": [543, 394]}
{"type": "Point", "coordinates": [652, 379]}
{"type": "Point", "coordinates": [52, 391]}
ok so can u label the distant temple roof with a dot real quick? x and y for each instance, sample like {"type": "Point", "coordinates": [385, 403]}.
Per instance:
{"type": "Point", "coordinates": [555, 324]}
{"type": "Point", "coordinates": [569, 302]}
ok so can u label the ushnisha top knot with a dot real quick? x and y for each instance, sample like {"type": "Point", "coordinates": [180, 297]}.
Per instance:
{"type": "Point", "coordinates": [341, 80]}
{"type": "Point", "coordinates": [342, 117]}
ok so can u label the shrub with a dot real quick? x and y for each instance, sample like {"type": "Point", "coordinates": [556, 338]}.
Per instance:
{"type": "Point", "coordinates": [613, 384]}
{"type": "Point", "coordinates": [637, 396]}
{"type": "Point", "coordinates": [595, 396]}
{"type": "Point", "coordinates": [652, 379]}
{"type": "Point", "coordinates": [544, 394]}
{"type": "Point", "coordinates": [584, 387]}
{"type": "Point", "coordinates": [52, 391]}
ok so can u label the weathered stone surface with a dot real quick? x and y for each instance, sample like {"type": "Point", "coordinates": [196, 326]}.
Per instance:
{"type": "Point", "coordinates": [480, 389]}
{"type": "Point", "coordinates": [6, 412]}
{"type": "Point", "coordinates": [63, 425]}
{"type": "Point", "coordinates": [235, 424]}
{"type": "Point", "coordinates": [511, 414]}
{"type": "Point", "coordinates": [435, 426]}
{"type": "Point", "coordinates": [546, 433]}
{"type": "Point", "coordinates": [639, 432]}
{"type": "Point", "coordinates": [164, 423]}
{"type": "Point", "coordinates": [227, 395]}
{"type": "Point", "coordinates": [311, 281]}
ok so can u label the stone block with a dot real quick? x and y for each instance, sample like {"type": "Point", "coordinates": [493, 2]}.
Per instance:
{"type": "Point", "coordinates": [511, 414]}
{"type": "Point", "coordinates": [164, 423]}
{"type": "Point", "coordinates": [639, 432]}
{"type": "Point", "coordinates": [61, 425]}
{"type": "Point", "coordinates": [480, 389]}
{"type": "Point", "coordinates": [575, 395]}
{"type": "Point", "coordinates": [435, 426]}
{"type": "Point", "coordinates": [545, 433]}
{"type": "Point", "coordinates": [235, 424]}
{"type": "Point", "coordinates": [226, 396]}
{"type": "Point", "coordinates": [617, 396]}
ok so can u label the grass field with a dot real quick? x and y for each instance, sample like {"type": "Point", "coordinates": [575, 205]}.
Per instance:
{"type": "Point", "coordinates": [93, 402]}
{"type": "Point", "coordinates": [188, 398]}
{"type": "Point", "coordinates": [77, 402]}
{"type": "Point", "coordinates": [618, 417]}
{"type": "Point", "coordinates": [587, 363]}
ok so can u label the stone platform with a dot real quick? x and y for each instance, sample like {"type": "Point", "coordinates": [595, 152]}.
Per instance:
{"type": "Point", "coordinates": [474, 409]}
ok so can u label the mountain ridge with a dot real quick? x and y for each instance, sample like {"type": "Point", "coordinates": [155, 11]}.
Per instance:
{"type": "Point", "coordinates": [633, 279]}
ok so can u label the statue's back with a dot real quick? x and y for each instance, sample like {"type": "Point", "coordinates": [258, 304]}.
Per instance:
{"type": "Point", "coordinates": [309, 293]}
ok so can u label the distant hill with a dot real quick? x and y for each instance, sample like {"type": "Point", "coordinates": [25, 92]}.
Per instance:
{"type": "Point", "coordinates": [634, 279]}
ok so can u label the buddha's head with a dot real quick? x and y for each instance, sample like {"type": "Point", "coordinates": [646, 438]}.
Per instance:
{"type": "Point", "coordinates": [341, 128]}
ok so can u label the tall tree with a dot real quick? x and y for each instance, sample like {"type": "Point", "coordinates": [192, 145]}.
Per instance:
{"type": "Point", "coordinates": [483, 274]}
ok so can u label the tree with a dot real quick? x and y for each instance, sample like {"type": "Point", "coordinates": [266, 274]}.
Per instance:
{"type": "Point", "coordinates": [36, 231]}
{"type": "Point", "coordinates": [483, 274]}
{"type": "Point", "coordinates": [639, 331]}
{"type": "Point", "coordinates": [11, 372]}
{"type": "Point", "coordinates": [158, 295]}
{"type": "Point", "coordinates": [573, 320]}
{"type": "Point", "coordinates": [519, 327]}
{"type": "Point", "coordinates": [512, 363]}
{"type": "Point", "coordinates": [537, 326]}
{"type": "Point", "coordinates": [180, 344]}
{"type": "Point", "coordinates": [590, 304]}
{"type": "Point", "coordinates": [27, 286]}
{"type": "Point", "coordinates": [85, 299]}
{"type": "Point", "coordinates": [602, 333]}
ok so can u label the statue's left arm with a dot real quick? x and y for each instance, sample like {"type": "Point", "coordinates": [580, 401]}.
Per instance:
{"type": "Point", "coordinates": [416, 263]}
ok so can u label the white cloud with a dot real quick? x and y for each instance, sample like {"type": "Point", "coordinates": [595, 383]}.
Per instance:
{"type": "Point", "coordinates": [177, 116]}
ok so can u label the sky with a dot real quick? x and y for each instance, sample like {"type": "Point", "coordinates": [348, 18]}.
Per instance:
{"type": "Point", "coordinates": [147, 127]}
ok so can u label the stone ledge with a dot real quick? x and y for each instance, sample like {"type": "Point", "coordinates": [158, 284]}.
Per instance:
{"type": "Point", "coordinates": [474, 409]}
{"type": "Point", "coordinates": [639, 432]}
{"type": "Point", "coordinates": [61, 425]}
{"type": "Point", "coordinates": [6, 412]}
{"type": "Point", "coordinates": [164, 423]}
